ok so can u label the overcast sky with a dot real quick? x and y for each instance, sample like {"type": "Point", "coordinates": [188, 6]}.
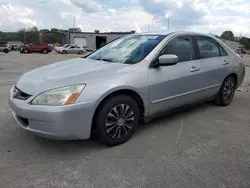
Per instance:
{"type": "Point", "coordinates": [208, 16]}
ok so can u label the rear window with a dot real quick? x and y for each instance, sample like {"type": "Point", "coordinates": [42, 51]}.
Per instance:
{"type": "Point", "coordinates": [208, 47]}
{"type": "Point", "coordinates": [222, 51]}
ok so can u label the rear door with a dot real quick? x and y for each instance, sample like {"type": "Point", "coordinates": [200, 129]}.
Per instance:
{"type": "Point", "coordinates": [176, 85]}
{"type": "Point", "coordinates": [214, 60]}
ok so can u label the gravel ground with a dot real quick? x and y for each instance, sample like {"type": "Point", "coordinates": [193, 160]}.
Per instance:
{"type": "Point", "coordinates": [206, 146]}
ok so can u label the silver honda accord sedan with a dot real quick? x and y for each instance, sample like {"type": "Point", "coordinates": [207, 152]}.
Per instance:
{"type": "Point", "coordinates": [130, 80]}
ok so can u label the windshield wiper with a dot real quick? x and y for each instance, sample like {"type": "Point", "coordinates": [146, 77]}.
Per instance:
{"type": "Point", "coordinates": [108, 60]}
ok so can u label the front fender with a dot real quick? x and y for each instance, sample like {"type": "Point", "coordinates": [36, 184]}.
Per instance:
{"type": "Point", "coordinates": [98, 90]}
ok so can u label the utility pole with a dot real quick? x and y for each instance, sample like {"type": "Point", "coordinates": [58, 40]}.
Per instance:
{"type": "Point", "coordinates": [74, 23]}
{"type": "Point", "coordinates": [24, 34]}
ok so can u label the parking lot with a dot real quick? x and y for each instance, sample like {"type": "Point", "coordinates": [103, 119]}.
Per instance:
{"type": "Point", "coordinates": [204, 146]}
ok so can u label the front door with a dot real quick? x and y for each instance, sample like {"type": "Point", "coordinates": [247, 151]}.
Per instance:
{"type": "Point", "coordinates": [72, 50]}
{"type": "Point", "coordinates": [176, 85]}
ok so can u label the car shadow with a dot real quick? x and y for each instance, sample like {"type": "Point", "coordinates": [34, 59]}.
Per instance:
{"type": "Point", "coordinates": [67, 145]}
{"type": "Point", "coordinates": [174, 115]}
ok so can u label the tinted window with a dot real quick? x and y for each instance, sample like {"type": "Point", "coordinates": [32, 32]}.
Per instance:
{"type": "Point", "coordinates": [222, 51]}
{"type": "Point", "coordinates": [208, 47]}
{"type": "Point", "coordinates": [182, 47]}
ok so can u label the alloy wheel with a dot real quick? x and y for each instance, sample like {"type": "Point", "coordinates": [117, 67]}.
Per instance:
{"type": "Point", "coordinates": [119, 121]}
{"type": "Point", "coordinates": [228, 91]}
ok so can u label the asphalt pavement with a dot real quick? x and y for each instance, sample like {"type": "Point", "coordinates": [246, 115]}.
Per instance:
{"type": "Point", "coordinates": [204, 146]}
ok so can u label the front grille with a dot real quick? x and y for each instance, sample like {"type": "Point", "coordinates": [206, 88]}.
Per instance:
{"type": "Point", "coordinates": [18, 94]}
{"type": "Point", "coordinates": [23, 121]}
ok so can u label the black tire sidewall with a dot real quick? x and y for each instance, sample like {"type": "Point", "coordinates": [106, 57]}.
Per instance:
{"type": "Point", "coordinates": [222, 101]}
{"type": "Point", "coordinates": [103, 113]}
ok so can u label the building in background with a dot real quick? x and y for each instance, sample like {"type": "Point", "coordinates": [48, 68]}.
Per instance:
{"type": "Point", "coordinates": [92, 40]}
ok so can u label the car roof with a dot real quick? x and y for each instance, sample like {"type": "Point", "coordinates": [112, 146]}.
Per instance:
{"type": "Point", "coordinates": [173, 33]}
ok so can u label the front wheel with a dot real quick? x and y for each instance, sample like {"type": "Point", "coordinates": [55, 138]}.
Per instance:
{"type": "Point", "coordinates": [117, 120]}
{"type": "Point", "coordinates": [6, 51]}
{"type": "Point", "coordinates": [225, 96]}
{"type": "Point", "coordinates": [64, 52]}
{"type": "Point", "coordinates": [25, 51]}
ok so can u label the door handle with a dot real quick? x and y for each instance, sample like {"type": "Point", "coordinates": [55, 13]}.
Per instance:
{"type": "Point", "coordinates": [225, 62]}
{"type": "Point", "coordinates": [194, 69]}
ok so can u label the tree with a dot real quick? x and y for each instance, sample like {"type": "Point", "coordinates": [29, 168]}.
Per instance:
{"type": "Point", "coordinates": [52, 38]}
{"type": "Point", "coordinates": [227, 35]}
{"type": "Point", "coordinates": [245, 42]}
{"type": "Point", "coordinates": [21, 35]}
{"type": "Point", "coordinates": [32, 35]}
{"type": "Point", "coordinates": [2, 36]}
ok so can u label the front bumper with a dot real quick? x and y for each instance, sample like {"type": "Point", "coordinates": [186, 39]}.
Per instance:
{"type": "Point", "coordinates": [55, 122]}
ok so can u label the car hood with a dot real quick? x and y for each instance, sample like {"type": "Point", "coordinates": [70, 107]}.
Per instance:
{"type": "Point", "coordinates": [64, 73]}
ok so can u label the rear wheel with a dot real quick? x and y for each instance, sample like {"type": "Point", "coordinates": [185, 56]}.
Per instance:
{"type": "Point", "coordinates": [225, 96]}
{"type": "Point", "coordinates": [81, 52]}
{"type": "Point", "coordinates": [44, 51]}
{"type": "Point", "coordinates": [117, 120]}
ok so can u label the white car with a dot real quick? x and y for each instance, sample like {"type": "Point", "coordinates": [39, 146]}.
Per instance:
{"type": "Point", "coordinates": [58, 48]}
{"type": "Point", "coordinates": [4, 48]}
{"type": "Point", "coordinates": [72, 50]}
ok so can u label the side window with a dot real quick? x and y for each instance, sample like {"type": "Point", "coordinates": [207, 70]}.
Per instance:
{"type": "Point", "coordinates": [182, 47]}
{"type": "Point", "coordinates": [222, 51]}
{"type": "Point", "coordinates": [208, 47]}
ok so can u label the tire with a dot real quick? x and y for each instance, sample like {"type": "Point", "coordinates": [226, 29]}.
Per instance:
{"type": "Point", "coordinates": [25, 51]}
{"type": "Point", "coordinates": [45, 51]}
{"type": "Point", "coordinates": [225, 96]}
{"type": "Point", "coordinates": [115, 133]}
{"type": "Point", "coordinates": [6, 51]}
{"type": "Point", "coordinates": [64, 52]}
{"type": "Point", "coordinates": [80, 52]}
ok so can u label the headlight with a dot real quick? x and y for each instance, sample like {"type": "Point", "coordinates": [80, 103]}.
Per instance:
{"type": "Point", "coordinates": [60, 96]}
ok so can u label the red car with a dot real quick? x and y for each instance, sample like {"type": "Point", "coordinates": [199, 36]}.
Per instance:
{"type": "Point", "coordinates": [42, 48]}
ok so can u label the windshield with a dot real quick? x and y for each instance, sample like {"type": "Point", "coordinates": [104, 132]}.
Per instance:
{"type": "Point", "coordinates": [129, 49]}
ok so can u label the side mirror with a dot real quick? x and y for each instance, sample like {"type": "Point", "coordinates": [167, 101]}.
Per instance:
{"type": "Point", "coordinates": [167, 60]}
